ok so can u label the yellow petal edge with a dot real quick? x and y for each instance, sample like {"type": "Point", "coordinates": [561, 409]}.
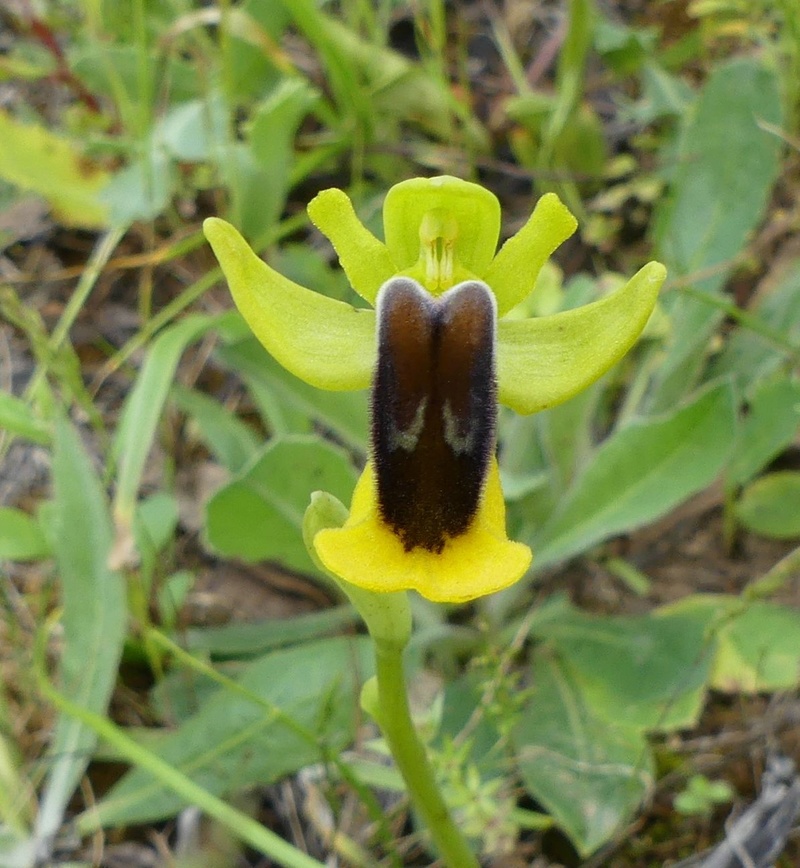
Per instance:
{"type": "Point", "coordinates": [366, 553]}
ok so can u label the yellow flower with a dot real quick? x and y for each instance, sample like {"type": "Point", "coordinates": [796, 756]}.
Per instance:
{"type": "Point", "coordinates": [441, 236]}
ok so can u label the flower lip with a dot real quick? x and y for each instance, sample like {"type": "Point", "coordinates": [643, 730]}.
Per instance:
{"type": "Point", "coordinates": [434, 408]}
{"type": "Point", "coordinates": [366, 553]}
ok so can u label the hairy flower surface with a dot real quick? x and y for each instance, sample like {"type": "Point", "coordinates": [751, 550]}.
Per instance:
{"type": "Point", "coordinates": [428, 511]}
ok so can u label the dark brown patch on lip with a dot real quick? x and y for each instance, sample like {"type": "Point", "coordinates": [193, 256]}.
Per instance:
{"type": "Point", "coordinates": [434, 408]}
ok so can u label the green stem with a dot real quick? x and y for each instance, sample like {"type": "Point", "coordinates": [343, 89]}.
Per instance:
{"type": "Point", "coordinates": [409, 755]}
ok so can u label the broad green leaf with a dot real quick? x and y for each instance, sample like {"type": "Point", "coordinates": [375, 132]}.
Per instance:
{"type": "Point", "coordinates": [544, 361]}
{"type": "Point", "coordinates": [193, 131]}
{"type": "Point", "coordinates": [727, 163]}
{"type": "Point", "coordinates": [249, 639]}
{"type": "Point", "coordinates": [21, 536]}
{"type": "Point", "coordinates": [770, 506]}
{"type": "Point", "coordinates": [640, 473]}
{"type": "Point", "coordinates": [343, 413]}
{"type": "Point", "coordinates": [758, 650]}
{"type": "Point", "coordinates": [114, 70]}
{"type": "Point", "coordinates": [231, 441]}
{"type": "Point", "coordinates": [158, 517]}
{"type": "Point", "coordinates": [141, 190]}
{"type": "Point", "coordinates": [37, 159]}
{"type": "Point", "coordinates": [649, 671]}
{"type": "Point", "coordinates": [93, 602]}
{"type": "Point", "coordinates": [566, 433]}
{"type": "Point", "coordinates": [258, 515]}
{"type": "Point", "coordinates": [663, 95]}
{"type": "Point", "coordinates": [757, 643]}
{"type": "Point", "coordinates": [17, 417]}
{"type": "Point", "coordinates": [144, 406]}
{"type": "Point", "coordinates": [233, 742]}
{"type": "Point", "coordinates": [589, 773]}
{"type": "Point", "coordinates": [748, 356]}
{"type": "Point", "coordinates": [771, 425]}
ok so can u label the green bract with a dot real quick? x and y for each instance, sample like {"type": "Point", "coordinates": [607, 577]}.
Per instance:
{"type": "Point", "coordinates": [439, 231]}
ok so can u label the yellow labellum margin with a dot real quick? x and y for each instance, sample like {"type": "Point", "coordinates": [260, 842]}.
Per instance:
{"type": "Point", "coordinates": [439, 231]}
{"type": "Point", "coordinates": [481, 561]}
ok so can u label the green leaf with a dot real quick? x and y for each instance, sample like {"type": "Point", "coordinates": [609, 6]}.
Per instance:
{"type": "Point", "coordinates": [770, 506]}
{"type": "Point", "coordinates": [94, 616]}
{"type": "Point", "coordinates": [115, 70]}
{"type": "Point", "coordinates": [757, 643]}
{"type": "Point", "coordinates": [158, 518]}
{"type": "Point", "coordinates": [759, 650]}
{"type": "Point", "coordinates": [771, 425]}
{"type": "Point", "coordinates": [590, 774]}
{"type": "Point", "coordinates": [231, 441]}
{"type": "Point", "coordinates": [21, 536]}
{"type": "Point", "coordinates": [17, 417]}
{"type": "Point", "coordinates": [140, 191]}
{"type": "Point", "coordinates": [649, 671]}
{"type": "Point", "coordinates": [727, 164]}
{"type": "Point", "coordinates": [231, 743]}
{"type": "Point", "coordinates": [36, 159]}
{"type": "Point", "coordinates": [249, 639]}
{"type": "Point", "coordinates": [193, 131]}
{"type": "Point", "coordinates": [261, 196]}
{"type": "Point", "coordinates": [701, 796]}
{"type": "Point", "coordinates": [640, 473]}
{"type": "Point", "coordinates": [259, 514]}
{"type": "Point", "coordinates": [747, 355]}
{"type": "Point", "coordinates": [144, 406]}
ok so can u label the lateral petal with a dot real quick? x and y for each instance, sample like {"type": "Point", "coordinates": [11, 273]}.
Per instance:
{"type": "Point", "coordinates": [324, 342]}
{"type": "Point", "coordinates": [543, 362]}
{"type": "Point", "coordinates": [513, 272]}
{"type": "Point", "coordinates": [365, 259]}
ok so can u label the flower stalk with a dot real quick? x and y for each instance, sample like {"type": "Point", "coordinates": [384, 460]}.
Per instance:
{"type": "Point", "coordinates": [394, 719]}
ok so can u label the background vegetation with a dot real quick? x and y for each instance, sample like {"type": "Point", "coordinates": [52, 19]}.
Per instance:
{"type": "Point", "coordinates": [165, 640]}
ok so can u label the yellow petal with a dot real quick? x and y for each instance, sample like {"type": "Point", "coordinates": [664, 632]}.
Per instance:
{"type": "Point", "coordinates": [366, 553]}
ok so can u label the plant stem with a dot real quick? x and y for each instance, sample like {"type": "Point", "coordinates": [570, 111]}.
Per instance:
{"type": "Point", "coordinates": [412, 761]}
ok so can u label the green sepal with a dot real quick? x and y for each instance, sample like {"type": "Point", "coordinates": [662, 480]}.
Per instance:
{"type": "Point", "coordinates": [365, 259]}
{"type": "Point", "coordinates": [545, 361]}
{"type": "Point", "coordinates": [472, 211]}
{"type": "Point", "coordinates": [513, 272]}
{"type": "Point", "coordinates": [324, 342]}
{"type": "Point", "coordinates": [387, 615]}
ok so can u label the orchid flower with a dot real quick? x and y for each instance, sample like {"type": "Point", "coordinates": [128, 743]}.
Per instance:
{"type": "Point", "coordinates": [439, 351]}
